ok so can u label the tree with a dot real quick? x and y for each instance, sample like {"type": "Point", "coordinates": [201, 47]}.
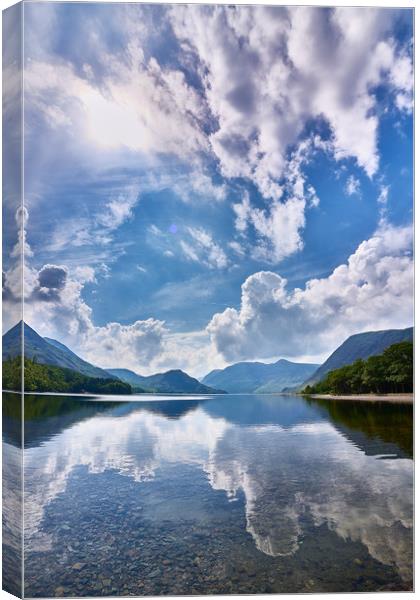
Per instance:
{"type": "Point", "coordinates": [374, 374]}
{"type": "Point", "coordinates": [399, 369]}
{"type": "Point", "coordinates": [391, 371]}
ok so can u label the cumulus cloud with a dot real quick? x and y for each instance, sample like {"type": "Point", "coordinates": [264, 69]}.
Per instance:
{"type": "Point", "coordinates": [372, 290]}
{"type": "Point", "coordinates": [55, 307]}
{"type": "Point", "coordinates": [243, 88]}
{"type": "Point", "coordinates": [260, 75]}
{"type": "Point", "coordinates": [278, 226]}
{"type": "Point", "coordinates": [52, 280]}
{"type": "Point", "coordinates": [140, 342]}
{"type": "Point", "coordinates": [244, 84]}
{"type": "Point", "coordinates": [267, 71]}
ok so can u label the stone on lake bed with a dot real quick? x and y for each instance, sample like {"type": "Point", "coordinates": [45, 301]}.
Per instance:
{"type": "Point", "coordinates": [154, 574]}
{"type": "Point", "coordinates": [78, 566]}
{"type": "Point", "coordinates": [59, 591]}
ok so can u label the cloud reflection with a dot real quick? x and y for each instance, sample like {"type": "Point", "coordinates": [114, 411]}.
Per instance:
{"type": "Point", "coordinates": [285, 473]}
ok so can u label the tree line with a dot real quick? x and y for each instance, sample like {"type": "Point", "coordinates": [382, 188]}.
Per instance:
{"type": "Point", "coordinates": [49, 378]}
{"type": "Point", "coordinates": [387, 373]}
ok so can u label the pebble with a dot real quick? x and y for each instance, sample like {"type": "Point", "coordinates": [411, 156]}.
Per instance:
{"type": "Point", "coordinates": [59, 591]}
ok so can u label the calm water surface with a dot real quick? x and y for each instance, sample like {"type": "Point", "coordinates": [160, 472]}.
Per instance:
{"type": "Point", "coordinates": [228, 494]}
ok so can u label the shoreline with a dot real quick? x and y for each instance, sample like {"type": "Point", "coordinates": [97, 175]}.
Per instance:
{"type": "Point", "coordinates": [393, 398]}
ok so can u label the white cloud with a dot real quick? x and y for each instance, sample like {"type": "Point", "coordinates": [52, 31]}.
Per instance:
{"type": "Point", "coordinates": [139, 106]}
{"type": "Point", "coordinates": [203, 249]}
{"type": "Point", "coordinates": [237, 248]}
{"type": "Point", "coordinates": [370, 501]}
{"type": "Point", "coordinates": [279, 225]}
{"type": "Point", "coordinates": [21, 248]}
{"type": "Point", "coordinates": [352, 186]}
{"type": "Point", "coordinates": [62, 313]}
{"type": "Point", "coordinates": [55, 307]}
{"type": "Point", "coordinates": [139, 343]}
{"type": "Point", "coordinates": [274, 507]}
{"type": "Point", "coordinates": [198, 184]}
{"type": "Point", "coordinates": [373, 290]}
{"type": "Point", "coordinates": [383, 195]}
{"type": "Point", "coordinates": [261, 74]}
{"type": "Point", "coordinates": [189, 251]}
{"type": "Point", "coordinates": [86, 274]}
{"type": "Point", "coordinates": [97, 228]}
{"type": "Point", "coordinates": [267, 71]}
{"type": "Point", "coordinates": [119, 209]}
{"type": "Point", "coordinates": [278, 228]}
{"type": "Point", "coordinates": [154, 230]}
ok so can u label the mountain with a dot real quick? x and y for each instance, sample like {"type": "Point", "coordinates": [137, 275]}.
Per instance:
{"type": "Point", "coordinates": [361, 345]}
{"type": "Point", "coordinates": [50, 378]}
{"type": "Point", "coordinates": [47, 351]}
{"type": "Point", "coordinates": [128, 376]}
{"type": "Point", "coordinates": [170, 382]}
{"type": "Point", "coordinates": [256, 377]}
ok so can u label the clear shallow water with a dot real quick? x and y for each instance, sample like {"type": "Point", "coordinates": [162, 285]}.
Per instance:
{"type": "Point", "coordinates": [229, 494]}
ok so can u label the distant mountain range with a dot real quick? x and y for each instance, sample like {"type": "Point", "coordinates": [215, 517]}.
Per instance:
{"type": "Point", "coordinates": [260, 378]}
{"type": "Point", "coordinates": [243, 377]}
{"type": "Point", "coordinates": [47, 352]}
{"type": "Point", "coordinates": [174, 382]}
{"type": "Point", "coordinates": [360, 345]}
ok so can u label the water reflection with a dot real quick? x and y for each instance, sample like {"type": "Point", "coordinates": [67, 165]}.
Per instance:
{"type": "Point", "coordinates": [289, 467]}
{"type": "Point", "coordinates": [12, 512]}
{"type": "Point", "coordinates": [312, 470]}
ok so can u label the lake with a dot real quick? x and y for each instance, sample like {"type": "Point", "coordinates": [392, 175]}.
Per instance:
{"type": "Point", "coordinates": [212, 495]}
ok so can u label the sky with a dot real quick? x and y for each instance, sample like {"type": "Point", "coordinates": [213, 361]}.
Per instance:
{"type": "Point", "coordinates": [205, 185]}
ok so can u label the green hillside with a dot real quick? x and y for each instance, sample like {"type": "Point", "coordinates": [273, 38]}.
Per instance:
{"type": "Point", "coordinates": [389, 372]}
{"type": "Point", "coordinates": [49, 378]}
{"type": "Point", "coordinates": [360, 346]}
{"type": "Point", "coordinates": [46, 351]}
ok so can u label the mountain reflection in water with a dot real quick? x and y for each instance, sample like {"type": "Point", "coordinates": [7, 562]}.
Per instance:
{"type": "Point", "coordinates": [272, 492]}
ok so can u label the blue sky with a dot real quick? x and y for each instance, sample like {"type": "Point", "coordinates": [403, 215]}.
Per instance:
{"type": "Point", "coordinates": [211, 184]}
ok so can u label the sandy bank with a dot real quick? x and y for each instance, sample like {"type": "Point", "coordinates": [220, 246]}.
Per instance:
{"type": "Point", "coordinates": [395, 398]}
